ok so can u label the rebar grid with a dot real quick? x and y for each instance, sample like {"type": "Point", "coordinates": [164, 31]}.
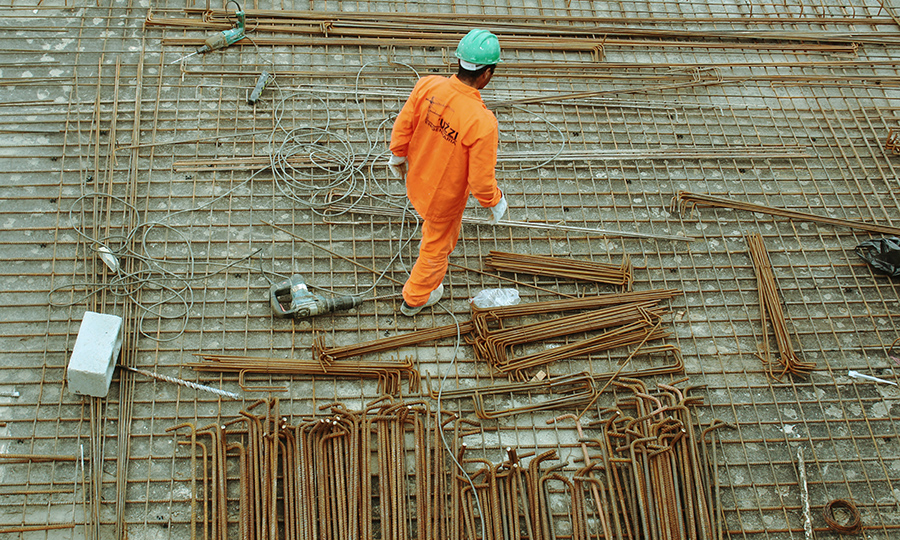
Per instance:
{"type": "Point", "coordinates": [797, 128]}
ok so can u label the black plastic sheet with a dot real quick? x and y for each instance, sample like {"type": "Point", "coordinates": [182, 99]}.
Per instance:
{"type": "Point", "coordinates": [883, 254]}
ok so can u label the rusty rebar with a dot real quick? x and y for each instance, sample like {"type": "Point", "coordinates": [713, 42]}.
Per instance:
{"type": "Point", "coordinates": [687, 201]}
{"type": "Point", "coordinates": [772, 311]}
{"type": "Point", "coordinates": [562, 267]}
{"type": "Point", "coordinates": [389, 374]}
{"type": "Point", "coordinates": [313, 480]}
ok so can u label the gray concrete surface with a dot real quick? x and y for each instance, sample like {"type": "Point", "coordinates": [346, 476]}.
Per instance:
{"type": "Point", "coordinates": [104, 142]}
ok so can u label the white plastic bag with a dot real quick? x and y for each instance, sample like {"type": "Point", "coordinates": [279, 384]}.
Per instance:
{"type": "Point", "coordinates": [490, 298]}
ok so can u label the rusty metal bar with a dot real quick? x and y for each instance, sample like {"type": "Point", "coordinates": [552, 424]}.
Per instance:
{"type": "Point", "coordinates": [771, 310]}
{"type": "Point", "coordinates": [685, 201]}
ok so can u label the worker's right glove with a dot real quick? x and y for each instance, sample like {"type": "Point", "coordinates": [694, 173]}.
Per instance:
{"type": "Point", "coordinates": [397, 165]}
{"type": "Point", "coordinates": [498, 210]}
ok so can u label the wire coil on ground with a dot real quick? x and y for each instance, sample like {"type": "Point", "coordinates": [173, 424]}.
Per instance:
{"type": "Point", "coordinates": [852, 526]}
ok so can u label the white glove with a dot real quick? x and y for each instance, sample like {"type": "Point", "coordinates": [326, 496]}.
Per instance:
{"type": "Point", "coordinates": [397, 165]}
{"type": "Point", "coordinates": [498, 210]}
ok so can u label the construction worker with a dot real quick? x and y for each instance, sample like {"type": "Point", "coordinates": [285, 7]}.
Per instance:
{"type": "Point", "coordinates": [445, 142]}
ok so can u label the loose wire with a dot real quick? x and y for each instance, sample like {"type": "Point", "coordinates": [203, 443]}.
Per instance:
{"type": "Point", "coordinates": [342, 171]}
{"type": "Point", "coordinates": [336, 173]}
{"type": "Point", "coordinates": [853, 524]}
{"type": "Point", "coordinates": [441, 424]}
{"type": "Point", "coordinates": [170, 278]}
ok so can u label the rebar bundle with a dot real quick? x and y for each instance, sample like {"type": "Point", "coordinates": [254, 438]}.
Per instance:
{"type": "Point", "coordinates": [771, 310]}
{"type": "Point", "coordinates": [645, 476]}
{"type": "Point", "coordinates": [624, 323]}
{"type": "Point", "coordinates": [384, 472]}
{"type": "Point", "coordinates": [418, 29]}
{"type": "Point", "coordinates": [513, 501]}
{"type": "Point", "coordinates": [483, 317]}
{"type": "Point", "coordinates": [620, 275]}
{"type": "Point", "coordinates": [379, 472]}
{"type": "Point", "coordinates": [481, 327]}
{"type": "Point", "coordinates": [651, 461]}
{"type": "Point", "coordinates": [562, 392]}
{"type": "Point", "coordinates": [389, 374]}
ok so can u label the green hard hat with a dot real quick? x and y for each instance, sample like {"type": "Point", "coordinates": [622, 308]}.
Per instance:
{"type": "Point", "coordinates": [479, 47]}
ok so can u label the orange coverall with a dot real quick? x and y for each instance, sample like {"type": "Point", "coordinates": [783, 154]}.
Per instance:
{"type": "Point", "coordinates": [450, 140]}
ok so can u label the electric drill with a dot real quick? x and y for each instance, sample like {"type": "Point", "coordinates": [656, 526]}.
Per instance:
{"type": "Point", "coordinates": [221, 39]}
{"type": "Point", "coordinates": [301, 303]}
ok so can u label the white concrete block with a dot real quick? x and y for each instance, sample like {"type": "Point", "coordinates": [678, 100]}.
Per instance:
{"type": "Point", "coordinates": [94, 355]}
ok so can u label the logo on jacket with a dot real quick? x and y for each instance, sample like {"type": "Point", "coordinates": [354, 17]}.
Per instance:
{"type": "Point", "coordinates": [435, 120]}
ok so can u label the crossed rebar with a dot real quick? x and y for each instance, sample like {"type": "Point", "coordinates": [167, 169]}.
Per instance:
{"type": "Point", "coordinates": [562, 392]}
{"type": "Point", "coordinates": [333, 477]}
{"type": "Point", "coordinates": [648, 478]}
{"type": "Point", "coordinates": [626, 319]}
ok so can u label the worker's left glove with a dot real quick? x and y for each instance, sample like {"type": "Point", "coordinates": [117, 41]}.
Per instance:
{"type": "Point", "coordinates": [498, 210]}
{"type": "Point", "coordinates": [397, 165]}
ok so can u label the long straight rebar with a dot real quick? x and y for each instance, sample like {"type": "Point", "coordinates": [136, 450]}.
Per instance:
{"type": "Point", "coordinates": [685, 201]}
{"type": "Point", "coordinates": [603, 233]}
{"type": "Point", "coordinates": [620, 275]}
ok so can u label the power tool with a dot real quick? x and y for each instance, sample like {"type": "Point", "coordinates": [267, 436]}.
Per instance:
{"type": "Point", "coordinates": [291, 298]}
{"type": "Point", "coordinates": [264, 79]}
{"type": "Point", "coordinates": [221, 39]}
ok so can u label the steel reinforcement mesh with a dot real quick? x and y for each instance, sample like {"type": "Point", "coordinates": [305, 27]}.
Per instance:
{"type": "Point", "coordinates": [606, 113]}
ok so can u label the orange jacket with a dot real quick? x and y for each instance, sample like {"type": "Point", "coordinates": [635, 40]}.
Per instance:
{"type": "Point", "coordinates": [450, 139]}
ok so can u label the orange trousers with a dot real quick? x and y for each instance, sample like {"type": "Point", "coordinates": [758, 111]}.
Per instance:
{"type": "Point", "coordinates": [438, 241]}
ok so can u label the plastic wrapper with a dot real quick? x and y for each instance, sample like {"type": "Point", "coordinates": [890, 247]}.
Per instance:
{"type": "Point", "coordinates": [491, 298]}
